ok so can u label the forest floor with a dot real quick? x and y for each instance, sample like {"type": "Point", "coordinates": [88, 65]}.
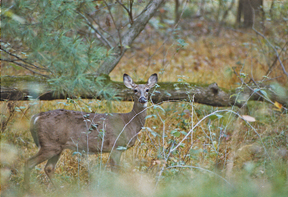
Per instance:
{"type": "Point", "coordinates": [223, 155]}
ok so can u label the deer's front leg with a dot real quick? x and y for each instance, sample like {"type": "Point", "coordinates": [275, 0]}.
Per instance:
{"type": "Point", "coordinates": [115, 160]}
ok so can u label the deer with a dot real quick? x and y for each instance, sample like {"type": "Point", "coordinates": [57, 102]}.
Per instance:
{"type": "Point", "coordinates": [56, 130]}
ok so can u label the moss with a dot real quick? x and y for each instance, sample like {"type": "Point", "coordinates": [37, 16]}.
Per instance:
{"type": "Point", "coordinates": [171, 85]}
{"type": "Point", "coordinates": [10, 81]}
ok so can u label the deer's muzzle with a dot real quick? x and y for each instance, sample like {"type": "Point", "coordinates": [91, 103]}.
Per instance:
{"type": "Point", "coordinates": [142, 100]}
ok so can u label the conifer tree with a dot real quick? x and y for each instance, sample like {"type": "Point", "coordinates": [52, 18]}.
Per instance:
{"type": "Point", "coordinates": [60, 39]}
{"type": "Point", "coordinates": [49, 38]}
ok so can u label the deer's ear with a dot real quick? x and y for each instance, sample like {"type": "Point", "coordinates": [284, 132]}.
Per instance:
{"type": "Point", "coordinates": [152, 80]}
{"type": "Point", "coordinates": [128, 82]}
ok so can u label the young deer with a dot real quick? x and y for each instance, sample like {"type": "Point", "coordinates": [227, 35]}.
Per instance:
{"type": "Point", "coordinates": [54, 131]}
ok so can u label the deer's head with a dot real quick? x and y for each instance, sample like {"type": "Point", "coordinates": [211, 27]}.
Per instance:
{"type": "Point", "coordinates": [140, 90]}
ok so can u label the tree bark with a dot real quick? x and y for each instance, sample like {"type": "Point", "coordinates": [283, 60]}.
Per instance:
{"type": "Point", "coordinates": [138, 25]}
{"type": "Point", "coordinates": [23, 88]}
{"type": "Point", "coordinates": [176, 10]}
{"type": "Point", "coordinates": [247, 8]}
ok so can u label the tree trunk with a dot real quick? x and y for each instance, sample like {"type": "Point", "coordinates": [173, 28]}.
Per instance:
{"type": "Point", "coordinates": [252, 12]}
{"type": "Point", "coordinates": [177, 14]}
{"type": "Point", "coordinates": [201, 8]}
{"type": "Point", "coordinates": [21, 88]}
{"type": "Point", "coordinates": [138, 25]}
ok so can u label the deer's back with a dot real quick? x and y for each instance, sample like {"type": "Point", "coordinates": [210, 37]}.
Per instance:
{"type": "Point", "coordinates": [61, 129]}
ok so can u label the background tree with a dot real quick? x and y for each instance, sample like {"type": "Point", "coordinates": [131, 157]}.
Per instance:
{"type": "Point", "coordinates": [65, 41]}
{"type": "Point", "coordinates": [252, 12]}
{"type": "Point", "coordinates": [231, 143]}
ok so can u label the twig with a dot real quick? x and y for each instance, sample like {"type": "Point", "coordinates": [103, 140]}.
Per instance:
{"type": "Point", "coordinates": [178, 166]}
{"type": "Point", "coordinates": [117, 28]}
{"type": "Point", "coordinates": [99, 25]}
{"type": "Point", "coordinates": [131, 14]}
{"type": "Point", "coordinates": [184, 7]}
{"type": "Point", "coordinates": [267, 99]}
{"type": "Point", "coordinates": [224, 17]}
{"type": "Point", "coordinates": [276, 58]}
{"type": "Point", "coordinates": [15, 61]}
{"type": "Point", "coordinates": [271, 79]}
{"type": "Point", "coordinates": [26, 67]}
{"type": "Point", "coordinates": [96, 30]}
{"type": "Point", "coordinates": [22, 59]}
{"type": "Point", "coordinates": [269, 43]}
{"type": "Point", "coordinates": [215, 112]}
{"type": "Point", "coordinates": [128, 11]}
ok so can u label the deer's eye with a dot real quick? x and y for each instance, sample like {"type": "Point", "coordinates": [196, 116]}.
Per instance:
{"type": "Point", "coordinates": [135, 90]}
{"type": "Point", "coordinates": [147, 90]}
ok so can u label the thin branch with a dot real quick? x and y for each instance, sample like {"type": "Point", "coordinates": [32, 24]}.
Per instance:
{"type": "Point", "coordinates": [118, 31]}
{"type": "Point", "coordinates": [16, 61]}
{"type": "Point", "coordinates": [99, 25]}
{"type": "Point", "coordinates": [269, 43]}
{"type": "Point", "coordinates": [104, 40]}
{"type": "Point", "coordinates": [256, 92]}
{"type": "Point", "coordinates": [129, 12]}
{"type": "Point", "coordinates": [276, 58]}
{"type": "Point", "coordinates": [22, 59]}
{"type": "Point", "coordinates": [215, 112]}
{"type": "Point", "coordinates": [123, 6]}
{"type": "Point", "coordinates": [270, 79]}
{"type": "Point", "coordinates": [277, 55]}
{"type": "Point", "coordinates": [224, 17]}
{"type": "Point", "coordinates": [178, 166]}
{"type": "Point", "coordinates": [184, 7]}
{"type": "Point", "coordinates": [26, 67]}
{"type": "Point", "coordinates": [130, 35]}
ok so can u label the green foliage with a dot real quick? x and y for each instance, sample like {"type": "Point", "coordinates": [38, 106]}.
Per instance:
{"type": "Point", "coordinates": [222, 154]}
{"type": "Point", "coordinates": [48, 34]}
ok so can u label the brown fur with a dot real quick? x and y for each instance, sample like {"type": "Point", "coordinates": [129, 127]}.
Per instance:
{"type": "Point", "coordinates": [54, 131]}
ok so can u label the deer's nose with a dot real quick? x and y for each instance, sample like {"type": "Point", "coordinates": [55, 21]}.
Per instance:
{"type": "Point", "coordinates": [142, 100]}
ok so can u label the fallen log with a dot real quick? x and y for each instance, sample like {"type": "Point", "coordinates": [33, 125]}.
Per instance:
{"type": "Point", "coordinates": [27, 87]}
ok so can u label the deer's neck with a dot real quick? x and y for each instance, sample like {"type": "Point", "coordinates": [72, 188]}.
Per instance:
{"type": "Point", "coordinates": [138, 114]}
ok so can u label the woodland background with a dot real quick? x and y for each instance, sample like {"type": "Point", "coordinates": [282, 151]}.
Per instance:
{"type": "Point", "coordinates": [70, 48]}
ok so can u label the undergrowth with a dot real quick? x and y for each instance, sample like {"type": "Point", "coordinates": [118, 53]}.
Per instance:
{"type": "Point", "coordinates": [222, 153]}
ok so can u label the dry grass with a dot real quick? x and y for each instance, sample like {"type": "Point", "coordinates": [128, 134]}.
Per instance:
{"type": "Point", "coordinates": [251, 156]}
{"type": "Point", "coordinates": [205, 60]}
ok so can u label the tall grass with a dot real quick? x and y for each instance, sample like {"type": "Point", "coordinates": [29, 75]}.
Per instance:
{"type": "Point", "coordinates": [222, 154]}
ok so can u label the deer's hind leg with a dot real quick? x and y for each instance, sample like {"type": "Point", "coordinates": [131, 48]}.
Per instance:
{"type": "Point", "coordinates": [40, 157]}
{"type": "Point", "coordinates": [50, 168]}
